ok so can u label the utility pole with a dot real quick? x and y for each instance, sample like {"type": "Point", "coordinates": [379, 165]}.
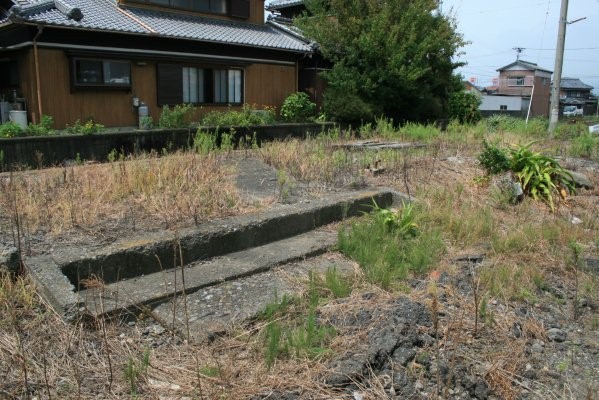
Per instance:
{"type": "Point", "coordinates": [559, 61]}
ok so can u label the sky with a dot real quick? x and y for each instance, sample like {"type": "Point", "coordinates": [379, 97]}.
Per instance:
{"type": "Point", "coordinates": [495, 27]}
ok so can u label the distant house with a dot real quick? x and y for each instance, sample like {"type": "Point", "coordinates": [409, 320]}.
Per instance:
{"type": "Point", "coordinates": [573, 92]}
{"type": "Point", "coordinates": [75, 59]}
{"type": "Point", "coordinates": [529, 82]}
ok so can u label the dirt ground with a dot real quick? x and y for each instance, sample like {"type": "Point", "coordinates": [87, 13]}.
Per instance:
{"type": "Point", "coordinates": [542, 344]}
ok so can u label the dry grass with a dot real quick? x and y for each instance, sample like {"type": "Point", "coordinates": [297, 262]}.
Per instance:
{"type": "Point", "coordinates": [526, 248]}
{"type": "Point", "coordinates": [146, 191]}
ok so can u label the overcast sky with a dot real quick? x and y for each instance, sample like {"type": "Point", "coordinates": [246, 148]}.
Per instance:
{"type": "Point", "coordinates": [495, 27]}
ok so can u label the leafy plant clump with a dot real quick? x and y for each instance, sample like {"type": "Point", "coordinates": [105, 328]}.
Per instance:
{"type": "Point", "coordinates": [493, 159]}
{"type": "Point", "coordinates": [247, 116]}
{"type": "Point", "coordinates": [463, 106]}
{"type": "Point", "coordinates": [10, 129]}
{"type": "Point", "coordinates": [88, 128]}
{"type": "Point", "coordinates": [389, 245]}
{"type": "Point", "coordinates": [45, 127]}
{"type": "Point", "coordinates": [541, 176]}
{"type": "Point", "coordinates": [179, 116]}
{"type": "Point", "coordinates": [298, 107]}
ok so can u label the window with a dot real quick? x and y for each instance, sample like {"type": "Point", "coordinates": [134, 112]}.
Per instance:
{"type": "Point", "coordinates": [227, 86]}
{"type": "Point", "coordinates": [178, 84]}
{"type": "Point", "coordinates": [503, 108]}
{"type": "Point", "coordinates": [101, 73]}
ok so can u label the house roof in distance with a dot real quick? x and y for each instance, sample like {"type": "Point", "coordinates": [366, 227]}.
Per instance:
{"type": "Point", "coordinates": [526, 64]}
{"type": "Point", "coordinates": [106, 15]}
{"type": "Point", "coordinates": [280, 4]}
{"type": "Point", "coordinates": [574, 83]}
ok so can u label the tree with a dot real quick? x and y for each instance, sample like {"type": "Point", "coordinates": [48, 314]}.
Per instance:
{"type": "Point", "coordinates": [463, 106]}
{"type": "Point", "coordinates": [390, 57]}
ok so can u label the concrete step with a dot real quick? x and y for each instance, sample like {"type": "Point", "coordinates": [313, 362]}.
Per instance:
{"type": "Point", "coordinates": [134, 271]}
{"type": "Point", "coordinates": [217, 308]}
{"type": "Point", "coordinates": [152, 289]}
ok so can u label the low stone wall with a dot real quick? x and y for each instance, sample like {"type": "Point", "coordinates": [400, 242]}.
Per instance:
{"type": "Point", "coordinates": [41, 151]}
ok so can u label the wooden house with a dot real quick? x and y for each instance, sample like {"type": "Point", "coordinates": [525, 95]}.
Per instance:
{"type": "Point", "coordinates": [100, 59]}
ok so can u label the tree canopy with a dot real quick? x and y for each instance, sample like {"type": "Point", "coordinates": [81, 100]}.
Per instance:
{"type": "Point", "coordinates": [390, 57]}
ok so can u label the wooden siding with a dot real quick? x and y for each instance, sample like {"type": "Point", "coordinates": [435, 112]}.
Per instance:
{"type": "Point", "coordinates": [265, 84]}
{"type": "Point", "coordinates": [269, 84]}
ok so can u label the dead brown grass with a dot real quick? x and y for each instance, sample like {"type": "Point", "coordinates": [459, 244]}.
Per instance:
{"type": "Point", "coordinates": [142, 192]}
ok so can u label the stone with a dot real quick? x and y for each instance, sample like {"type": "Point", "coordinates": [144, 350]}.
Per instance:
{"type": "Point", "coordinates": [556, 335]}
{"type": "Point", "coordinates": [581, 180]}
{"type": "Point", "coordinates": [9, 259]}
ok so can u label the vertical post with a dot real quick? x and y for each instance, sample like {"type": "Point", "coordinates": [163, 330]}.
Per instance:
{"type": "Point", "coordinates": [559, 61]}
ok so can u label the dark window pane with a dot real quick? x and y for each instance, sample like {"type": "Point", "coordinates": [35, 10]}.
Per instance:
{"type": "Point", "coordinates": [201, 5]}
{"type": "Point", "coordinates": [88, 71]}
{"type": "Point", "coordinates": [180, 3]}
{"type": "Point", "coordinates": [169, 84]}
{"type": "Point", "coordinates": [161, 2]}
{"type": "Point", "coordinates": [218, 6]}
{"type": "Point", "coordinates": [117, 72]}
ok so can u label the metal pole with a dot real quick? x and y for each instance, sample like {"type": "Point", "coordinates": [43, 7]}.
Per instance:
{"type": "Point", "coordinates": [559, 61]}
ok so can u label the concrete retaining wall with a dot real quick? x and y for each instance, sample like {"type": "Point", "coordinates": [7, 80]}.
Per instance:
{"type": "Point", "coordinates": [44, 151]}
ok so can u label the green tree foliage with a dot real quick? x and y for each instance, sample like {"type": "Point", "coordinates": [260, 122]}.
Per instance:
{"type": "Point", "coordinates": [463, 106]}
{"type": "Point", "coordinates": [389, 57]}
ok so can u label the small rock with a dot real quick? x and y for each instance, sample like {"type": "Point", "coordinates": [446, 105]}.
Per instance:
{"type": "Point", "coordinates": [536, 348]}
{"type": "Point", "coordinates": [418, 385]}
{"type": "Point", "coordinates": [581, 180]}
{"type": "Point", "coordinates": [575, 220]}
{"type": "Point", "coordinates": [556, 335]}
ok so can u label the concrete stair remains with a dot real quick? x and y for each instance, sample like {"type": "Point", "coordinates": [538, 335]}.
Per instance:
{"type": "Point", "coordinates": [141, 273]}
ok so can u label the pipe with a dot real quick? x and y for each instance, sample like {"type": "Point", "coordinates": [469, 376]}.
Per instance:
{"type": "Point", "coordinates": [40, 29]}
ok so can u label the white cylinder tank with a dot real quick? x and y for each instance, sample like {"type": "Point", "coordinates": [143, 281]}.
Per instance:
{"type": "Point", "coordinates": [19, 117]}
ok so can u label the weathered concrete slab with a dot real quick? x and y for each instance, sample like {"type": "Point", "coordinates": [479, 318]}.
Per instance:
{"type": "Point", "coordinates": [377, 145]}
{"type": "Point", "coordinates": [218, 307]}
{"type": "Point", "coordinates": [60, 274]}
{"type": "Point", "coordinates": [160, 286]}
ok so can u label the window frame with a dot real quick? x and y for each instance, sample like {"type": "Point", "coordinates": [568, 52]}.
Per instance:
{"type": "Point", "coordinates": [76, 83]}
{"type": "Point", "coordinates": [170, 81]}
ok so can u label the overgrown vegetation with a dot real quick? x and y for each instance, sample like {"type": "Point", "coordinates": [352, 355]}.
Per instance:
{"type": "Point", "coordinates": [388, 245]}
{"type": "Point", "coordinates": [490, 265]}
{"type": "Point", "coordinates": [298, 107]}
{"type": "Point", "coordinates": [89, 127]}
{"type": "Point", "coordinates": [178, 116]}
{"type": "Point", "coordinates": [390, 58]}
{"type": "Point", "coordinates": [247, 116]}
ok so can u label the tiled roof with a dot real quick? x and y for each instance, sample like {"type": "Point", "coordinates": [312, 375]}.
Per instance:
{"type": "Point", "coordinates": [104, 15]}
{"type": "Point", "coordinates": [526, 64]}
{"type": "Point", "coordinates": [574, 83]}
{"type": "Point", "coordinates": [279, 4]}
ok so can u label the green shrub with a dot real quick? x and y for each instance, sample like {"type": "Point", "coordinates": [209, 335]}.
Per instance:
{"type": "Point", "coordinates": [10, 129]}
{"type": "Point", "coordinates": [414, 131]}
{"type": "Point", "coordinates": [463, 106]}
{"type": "Point", "coordinates": [298, 107]}
{"type": "Point", "coordinates": [88, 128]}
{"type": "Point", "coordinates": [247, 116]}
{"type": "Point", "coordinates": [493, 159]}
{"type": "Point", "coordinates": [177, 117]}
{"type": "Point", "coordinates": [45, 127]}
{"type": "Point", "coordinates": [346, 106]}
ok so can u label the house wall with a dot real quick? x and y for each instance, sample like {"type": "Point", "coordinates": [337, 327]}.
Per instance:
{"type": "Point", "coordinates": [494, 103]}
{"type": "Point", "coordinates": [541, 97]}
{"type": "Point", "coordinates": [265, 84]}
{"type": "Point", "coordinates": [507, 86]}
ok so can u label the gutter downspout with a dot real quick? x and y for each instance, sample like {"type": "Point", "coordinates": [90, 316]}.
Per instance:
{"type": "Point", "coordinates": [40, 29]}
